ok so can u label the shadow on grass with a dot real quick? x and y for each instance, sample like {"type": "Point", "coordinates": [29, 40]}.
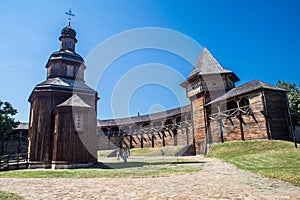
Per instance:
{"type": "Point", "coordinates": [122, 165]}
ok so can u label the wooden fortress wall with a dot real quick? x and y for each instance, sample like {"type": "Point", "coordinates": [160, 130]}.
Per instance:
{"type": "Point", "coordinates": [251, 128]}
{"type": "Point", "coordinates": [265, 116]}
{"type": "Point", "coordinates": [278, 114]}
{"type": "Point", "coordinates": [164, 138]}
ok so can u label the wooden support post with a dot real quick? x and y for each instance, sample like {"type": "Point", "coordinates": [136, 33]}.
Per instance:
{"type": "Point", "coordinates": [142, 142]}
{"type": "Point", "coordinates": [130, 141]}
{"type": "Point", "coordinates": [163, 139]}
{"type": "Point", "coordinates": [187, 135]}
{"type": "Point", "coordinates": [159, 135]}
{"type": "Point", "coordinates": [175, 136]}
{"type": "Point", "coordinates": [134, 140]}
{"type": "Point", "coordinates": [169, 133]}
{"type": "Point", "coordinates": [239, 116]}
{"type": "Point", "coordinates": [242, 130]}
{"type": "Point", "coordinates": [152, 141]}
{"type": "Point", "coordinates": [19, 149]}
{"type": "Point", "coordinates": [221, 129]}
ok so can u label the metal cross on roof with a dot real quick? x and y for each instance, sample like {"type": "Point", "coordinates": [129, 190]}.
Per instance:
{"type": "Point", "coordinates": [70, 14]}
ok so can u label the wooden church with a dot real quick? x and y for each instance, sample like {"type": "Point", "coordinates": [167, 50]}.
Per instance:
{"type": "Point", "coordinates": [62, 126]}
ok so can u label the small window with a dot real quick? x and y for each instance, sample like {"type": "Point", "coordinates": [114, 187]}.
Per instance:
{"type": "Point", "coordinates": [244, 102]}
{"type": "Point", "coordinates": [70, 70]}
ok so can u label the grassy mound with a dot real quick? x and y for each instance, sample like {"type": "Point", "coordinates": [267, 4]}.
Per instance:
{"type": "Point", "coordinates": [271, 158]}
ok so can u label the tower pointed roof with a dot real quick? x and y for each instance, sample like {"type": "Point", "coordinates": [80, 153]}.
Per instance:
{"type": "Point", "coordinates": [207, 64]}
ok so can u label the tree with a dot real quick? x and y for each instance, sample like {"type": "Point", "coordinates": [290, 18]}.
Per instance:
{"type": "Point", "coordinates": [7, 122]}
{"type": "Point", "coordinates": [294, 100]}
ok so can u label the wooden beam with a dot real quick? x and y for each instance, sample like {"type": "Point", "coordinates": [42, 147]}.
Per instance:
{"type": "Point", "coordinates": [239, 116]}
{"type": "Point", "coordinates": [152, 141]}
{"type": "Point", "coordinates": [175, 137]}
{"type": "Point", "coordinates": [221, 129]}
{"type": "Point", "coordinates": [163, 139]}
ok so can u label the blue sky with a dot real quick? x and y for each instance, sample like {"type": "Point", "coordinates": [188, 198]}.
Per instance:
{"type": "Point", "coordinates": [255, 39]}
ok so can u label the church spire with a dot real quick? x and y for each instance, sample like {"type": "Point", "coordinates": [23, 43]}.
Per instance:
{"type": "Point", "coordinates": [70, 14]}
{"type": "Point", "coordinates": [68, 35]}
{"type": "Point", "coordinates": [66, 63]}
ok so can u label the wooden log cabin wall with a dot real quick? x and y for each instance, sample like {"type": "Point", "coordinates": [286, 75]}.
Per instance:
{"type": "Point", "coordinates": [174, 128]}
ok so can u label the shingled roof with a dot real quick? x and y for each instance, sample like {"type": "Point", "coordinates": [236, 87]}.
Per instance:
{"type": "Point", "coordinates": [207, 64]}
{"type": "Point", "coordinates": [244, 89]}
{"type": "Point", "coordinates": [74, 101]}
{"type": "Point", "coordinates": [60, 83]}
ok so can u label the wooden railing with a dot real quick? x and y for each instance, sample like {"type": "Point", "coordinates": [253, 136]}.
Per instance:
{"type": "Point", "coordinates": [13, 161]}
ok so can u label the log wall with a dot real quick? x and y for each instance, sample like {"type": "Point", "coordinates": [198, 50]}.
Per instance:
{"type": "Point", "coordinates": [251, 129]}
{"type": "Point", "coordinates": [68, 145]}
{"type": "Point", "coordinates": [199, 122]}
{"type": "Point", "coordinates": [278, 116]}
{"type": "Point", "coordinates": [183, 137]}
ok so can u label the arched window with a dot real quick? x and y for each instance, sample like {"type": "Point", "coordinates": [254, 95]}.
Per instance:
{"type": "Point", "coordinates": [244, 102]}
{"type": "Point", "coordinates": [178, 120]}
{"type": "Point", "coordinates": [231, 105]}
{"type": "Point", "coordinates": [157, 124]}
{"type": "Point", "coordinates": [125, 129]}
{"type": "Point", "coordinates": [115, 130]}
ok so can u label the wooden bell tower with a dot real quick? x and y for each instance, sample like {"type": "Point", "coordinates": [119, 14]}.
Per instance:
{"type": "Point", "coordinates": [62, 128]}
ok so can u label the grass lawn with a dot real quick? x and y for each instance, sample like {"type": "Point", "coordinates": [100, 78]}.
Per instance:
{"type": "Point", "coordinates": [271, 158]}
{"type": "Point", "coordinates": [9, 196]}
{"type": "Point", "coordinates": [136, 167]}
{"type": "Point", "coordinates": [156, 151]}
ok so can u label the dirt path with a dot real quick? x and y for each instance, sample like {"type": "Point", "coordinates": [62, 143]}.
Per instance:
{"type": "Point", "coordinates": [217, 180]}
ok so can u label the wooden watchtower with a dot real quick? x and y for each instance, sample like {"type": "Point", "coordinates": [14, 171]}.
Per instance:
{"type": "Point", "coordinates": [207, 80]}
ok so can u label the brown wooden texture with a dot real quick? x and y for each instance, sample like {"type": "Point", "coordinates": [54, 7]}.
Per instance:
{"type": "Point", "coordinates": [68, 144]}
{"type": "Point", "coordinates": [278, 116]}
{"type": "Point", "coordinates": [198, 113]}
{"type": "Point", "coordinates": [251, 128]}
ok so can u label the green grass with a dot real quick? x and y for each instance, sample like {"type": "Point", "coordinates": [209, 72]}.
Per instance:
{"type": "Point", "coordinates": [104, 153]}
{"type": "Point", "coordinates": [146, 162]}
{"type": "Point", "coordinates": [9, 196]}
{"type": "Point", "coordinates": [135, 168]}
{"type": "Point", "coordinates": [156, 151]}
{"type": "Point", "coordinates": [271, 158]}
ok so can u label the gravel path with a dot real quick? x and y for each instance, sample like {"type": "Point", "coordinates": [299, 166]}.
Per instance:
{"type": "Point", "coordinates": [217, 180]}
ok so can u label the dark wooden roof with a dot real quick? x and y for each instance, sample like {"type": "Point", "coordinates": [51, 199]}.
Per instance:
{"type": "Point", "coordinates": [74, 101]}
{"type": "Point", "coordinates": [145, 118]}
{"type": "Point", "coordinates": [244, 89]}
{"type": "Point", "coordinates": [65, 55]}
{"type": "Point", "coordinates": [207, 64]}
{"type": "Point", "coordinates": [59, 83]}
